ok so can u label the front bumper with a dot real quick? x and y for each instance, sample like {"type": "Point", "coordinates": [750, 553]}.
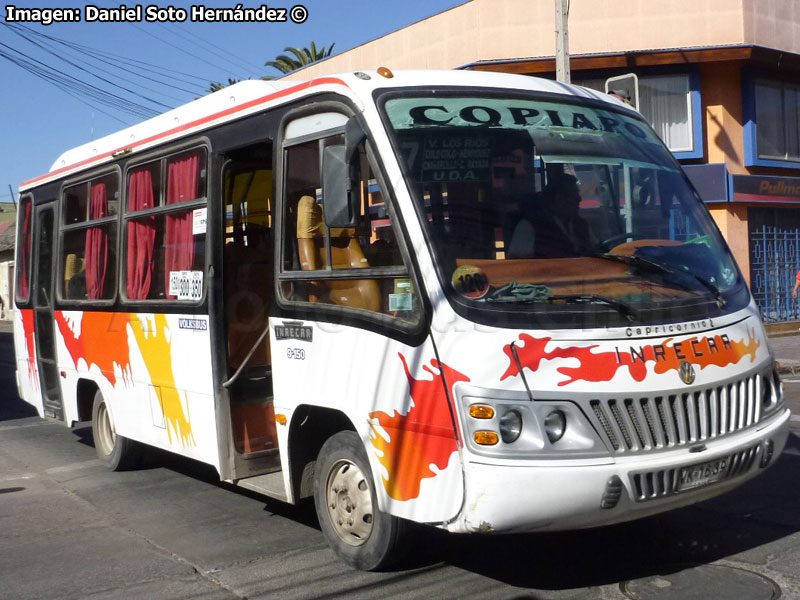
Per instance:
{"type": "Point", "coordinates": [560, 495]}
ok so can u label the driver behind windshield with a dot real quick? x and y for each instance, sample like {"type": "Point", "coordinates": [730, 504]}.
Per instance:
{"type": "Point", "coordinates": [551, 226]}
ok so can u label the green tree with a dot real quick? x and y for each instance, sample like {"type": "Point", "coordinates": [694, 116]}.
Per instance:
{"type": "Point", "coordinates": [302, 57]}
{"type": "Point", "coordinates": [284, 63]}
{"type": "Point", "coordinates": [216, 86]}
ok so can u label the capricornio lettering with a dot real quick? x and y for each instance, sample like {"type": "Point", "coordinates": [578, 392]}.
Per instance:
{"type": "Point", "coordinates": [43, 16]}
{"type": "Point", "coordinates": [238, 14]}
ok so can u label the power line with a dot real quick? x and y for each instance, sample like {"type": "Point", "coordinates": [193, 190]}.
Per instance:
{"type": "Point", "coordinates": [96, 56]}
{"type": "Point", "coordinates": [149, 67]}
{"type": "Point", "coordinates": [80, 68]}
{"type": "Point", "coordinates": [204, 44]}
{"type": "Point", "coordinates": [70, 85]}
{"type": "Point", "coordinates": [163, 41]}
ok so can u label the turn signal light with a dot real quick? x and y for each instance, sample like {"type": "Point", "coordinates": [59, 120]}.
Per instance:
{"type": "Point", "coordinates": [280, 419]}
{"type": "Point", "coordinates": [384, 72]}
{"type": "Point", "coordinates": [481, 411]}
{"type": "Point", "coordinates": [486, 438]}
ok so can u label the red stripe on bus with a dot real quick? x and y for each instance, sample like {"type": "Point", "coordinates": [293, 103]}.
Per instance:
{"type": "Point", "coordinates": [198, 122]}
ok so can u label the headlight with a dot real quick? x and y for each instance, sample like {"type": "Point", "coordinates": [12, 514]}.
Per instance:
{"type": "Point", "coordinates": [510, 426]}
{"type": "Point", "coordinates": [555, 424]}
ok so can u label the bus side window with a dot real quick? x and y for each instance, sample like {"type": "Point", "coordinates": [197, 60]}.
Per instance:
{"type": "Point", "coordinates": [371, 245]}
{"type": "Point", "coordinates": [23, 270]}
{"type": "Point", "coordinates": [88, 253]}
{"type": "Point", "coordinates": [165, 249]}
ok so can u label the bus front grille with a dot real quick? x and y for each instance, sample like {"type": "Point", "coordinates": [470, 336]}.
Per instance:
{"type": "Point", "coordinates": [675, 420]}
{"type": "Point", "coordinates": [649, 485]}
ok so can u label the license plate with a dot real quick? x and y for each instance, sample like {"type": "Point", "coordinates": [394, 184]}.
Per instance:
{"type": "Point", "coordinates": [695, 476]}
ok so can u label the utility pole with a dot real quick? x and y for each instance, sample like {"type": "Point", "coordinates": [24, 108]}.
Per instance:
{"type": "Point", "coordinates": [562, 41]}
{"type": "Point", "coordinates": [13, 197]}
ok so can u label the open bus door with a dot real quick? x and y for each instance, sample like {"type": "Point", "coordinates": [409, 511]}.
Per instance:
{"type": "Point", "coordinates": [248, 257]}
{"type": "Point", "coordinates": [43, 312]}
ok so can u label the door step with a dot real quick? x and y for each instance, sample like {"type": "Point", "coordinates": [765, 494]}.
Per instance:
{"type": "Point", "coordinates": [270, 485]}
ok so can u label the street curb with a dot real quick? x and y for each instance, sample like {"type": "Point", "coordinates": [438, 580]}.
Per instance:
{"type": "Point", "coordinates": [787, 366]}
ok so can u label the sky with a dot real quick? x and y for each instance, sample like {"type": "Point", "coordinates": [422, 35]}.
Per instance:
{"type": "Point", "coordinates": [151, 66]}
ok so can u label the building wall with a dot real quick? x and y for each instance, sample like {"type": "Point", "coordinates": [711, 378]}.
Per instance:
{"type": "Point", "coordinates": [772, 23]}
{"type": "Point", "coordinates": [721, 93]}
{"type": "Point", "coordinates": [483, 30]}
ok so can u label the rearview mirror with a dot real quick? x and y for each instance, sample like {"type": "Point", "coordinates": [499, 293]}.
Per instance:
{"type": "Point", "coordinates": [337, 200]}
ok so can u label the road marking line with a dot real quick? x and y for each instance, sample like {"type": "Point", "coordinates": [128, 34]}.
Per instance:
{"type": "Point", "coordinates": [18, 477]}
{"type": "Point", "coordinates": [36, 424]}
{"type": "Point", "coordinates": [73, 466]}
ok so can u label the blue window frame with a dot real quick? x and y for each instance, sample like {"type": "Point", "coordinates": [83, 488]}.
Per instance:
{"type": "Point", "coordinates": [771, 109]}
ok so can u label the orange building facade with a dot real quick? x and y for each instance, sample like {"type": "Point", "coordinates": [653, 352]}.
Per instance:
{"type": "Point", "coordinates": [718, 79]}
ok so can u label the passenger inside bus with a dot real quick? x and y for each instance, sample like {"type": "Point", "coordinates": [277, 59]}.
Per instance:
{"type": "Point", "coordinates": [551, 226]}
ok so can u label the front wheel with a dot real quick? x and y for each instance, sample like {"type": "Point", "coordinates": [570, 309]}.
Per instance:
{"type": "Point", "coordinates": [347, 506]}
{"type": "Point", "coordinates": [119, 453]}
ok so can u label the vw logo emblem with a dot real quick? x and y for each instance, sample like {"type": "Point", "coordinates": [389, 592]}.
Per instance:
{"type": "Point", "coordinates": [686, 372]}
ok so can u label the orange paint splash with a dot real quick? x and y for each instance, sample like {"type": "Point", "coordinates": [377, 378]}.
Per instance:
{"type": "Point", "coordinates": [157, 353]}
{"type": "Point", "coordinates": [107, 337]}
{"type": "Point", "coordinates": [28, 328]}
{"type": "Point", "coordinates": [705, 351]}
{"type": "Point", "coordinates": [423, 437]}
{"type": "Point", "coordinates": [603, 366]}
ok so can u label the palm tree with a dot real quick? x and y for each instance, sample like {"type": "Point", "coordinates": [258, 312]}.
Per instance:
{"type": "Point", "coordinates": [302, 57]}
{"type": "Point", "coordinates": [216, 86]}
{"type": "Point", "coordinates": [283, 63]}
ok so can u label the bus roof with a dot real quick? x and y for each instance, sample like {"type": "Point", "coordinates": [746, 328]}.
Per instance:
{"type": "Point", "coordinates": [251, 96]}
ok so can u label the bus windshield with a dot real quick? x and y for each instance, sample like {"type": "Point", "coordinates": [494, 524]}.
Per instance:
{"type": "Point", "coordinates": [554, 213]}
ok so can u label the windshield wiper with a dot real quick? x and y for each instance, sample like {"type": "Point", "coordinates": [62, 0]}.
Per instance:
{"type": "Point", "coordinates": [639, 261]}
{"type": "Point", "coordinates": [528, 293]}
{"type": "Point", "coordinates": [621, 307]}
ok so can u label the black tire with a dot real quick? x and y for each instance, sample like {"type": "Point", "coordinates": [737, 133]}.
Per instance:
{"type": "Point", "coordinates": [347, 506]}
{"type": "Point", "coordinates": [119, 453]}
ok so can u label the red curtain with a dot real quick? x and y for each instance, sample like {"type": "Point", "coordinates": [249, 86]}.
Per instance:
{"type": "Point", "coordinates": [97, 244]}
{"type": "Point", "coordinates": [141, 236]}
{"type": "Point", "coordinates": [25, 254]}
{"type": "Point", "coordinates": [183, 179]}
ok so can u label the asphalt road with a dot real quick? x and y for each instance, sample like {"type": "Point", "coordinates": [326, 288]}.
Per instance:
{"type": "Point", "coordinates": [69, 528]}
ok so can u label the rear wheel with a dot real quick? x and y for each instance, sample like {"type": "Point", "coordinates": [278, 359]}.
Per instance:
{"type": "Point", "coordinates": [347, 506]}
{"type": "Point", "coordinates": [119, 453]}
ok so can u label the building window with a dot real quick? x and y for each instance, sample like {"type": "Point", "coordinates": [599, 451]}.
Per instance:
{"type": "Point", "coordinates": [166, 228]}
{"type": "Point", "coordinates": [88, 254]}
{"type": "Point", "coordinates": [777, 112]}
{"type": "Point", "coordinates": [666, 101]}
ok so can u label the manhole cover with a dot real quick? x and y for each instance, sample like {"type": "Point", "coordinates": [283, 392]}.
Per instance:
{"type": "Point", "coordinates": [703, 582]}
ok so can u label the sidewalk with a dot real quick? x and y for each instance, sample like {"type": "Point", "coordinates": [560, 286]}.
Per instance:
{"type": "Point", "coordinates": [787, 352]}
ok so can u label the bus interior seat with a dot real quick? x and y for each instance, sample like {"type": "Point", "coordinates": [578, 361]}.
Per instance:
{"type": "Point", "coordinates": [346, 253]}
{"type": "Point", "coordinates": [74, 276]}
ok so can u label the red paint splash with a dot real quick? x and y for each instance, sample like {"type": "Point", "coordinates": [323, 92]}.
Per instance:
{"type": "Point", "coordinates": [603, 366]}
{"type": "Point", "coordinates": [103, 341]}
{"type": "Point", "coordinates": [28, 328]}
{"type": "Point", "coordinates": [423, 437]}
